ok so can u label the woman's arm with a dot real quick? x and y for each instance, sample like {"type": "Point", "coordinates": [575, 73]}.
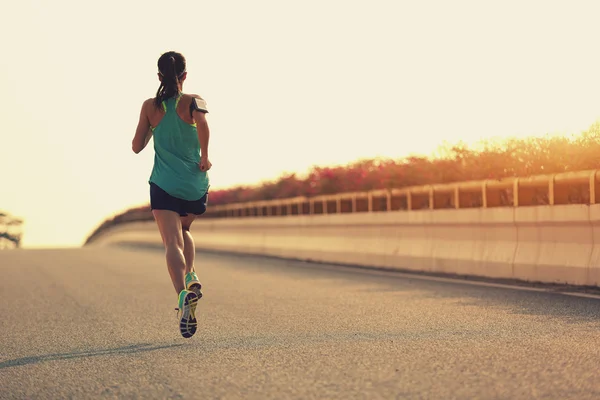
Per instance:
{"type": "Point", "coordinates": [199, 115]}
{"type": "Point", "coordinates": [203, 132]}
{"type": "Point", "coordinates": [143, 133]}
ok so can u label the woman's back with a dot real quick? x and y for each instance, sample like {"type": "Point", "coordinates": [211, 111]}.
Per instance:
{"type": "Point", "coordinates": [177, 150]}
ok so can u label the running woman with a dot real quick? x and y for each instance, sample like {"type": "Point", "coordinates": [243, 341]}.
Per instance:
{"type": "Point", "coordinates": [179, 181]}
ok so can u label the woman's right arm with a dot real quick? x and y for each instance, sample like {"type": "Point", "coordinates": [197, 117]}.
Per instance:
{"type": "Point", "coordinates": [143, 133]}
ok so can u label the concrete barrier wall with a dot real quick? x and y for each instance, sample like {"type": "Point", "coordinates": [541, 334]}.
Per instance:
{"type": "Point", "coordinates": [552, 244]}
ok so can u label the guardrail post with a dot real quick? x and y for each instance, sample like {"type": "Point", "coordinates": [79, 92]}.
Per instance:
{"type": "Point", "coordinates": [593, 187]}
{"type": "Point", "coordinates": [484, 194]}
{"type": "Point", "coordinates": [353, 203]}
{"type": "Point", "coordinates": [311, 206]}
{"type": "Point", "coordinates": [408, 201]}
{"type": "Point", "coordinates": [431, 198]}
{"type": "Point", "coordinates": [456, 197]}
{"type": "Point", "coordinates": [516, 193]}
{"type": "Point", "coordinates": [551, 190]}
{"type": "Point", "coordinates": [370, 201]}
{"type": "Point", "coordinates": [389, 201]}
{"type": "Point", "coordinates": [324, 205]}
{"type": "Point", "coordinates": [338, 204]}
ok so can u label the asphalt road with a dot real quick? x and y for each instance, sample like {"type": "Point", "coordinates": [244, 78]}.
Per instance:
{"type": "Point", "coordinates": [100, 323]}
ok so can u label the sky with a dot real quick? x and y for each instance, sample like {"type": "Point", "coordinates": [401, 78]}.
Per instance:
{"type": "Point", "coordinates": [288, 84]}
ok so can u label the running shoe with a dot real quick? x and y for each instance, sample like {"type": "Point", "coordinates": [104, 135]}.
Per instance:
{"type": "Point", "coordinates": [186, 313]}
{"type": "Point", "coordinates": [192, 283]}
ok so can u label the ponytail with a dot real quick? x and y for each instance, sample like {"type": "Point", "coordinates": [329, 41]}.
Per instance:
{"type": "Point", "coordinates": [171, 67]}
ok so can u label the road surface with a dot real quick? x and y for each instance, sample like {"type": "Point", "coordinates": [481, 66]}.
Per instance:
{"type": "Point", "coordinates": [100, 323]}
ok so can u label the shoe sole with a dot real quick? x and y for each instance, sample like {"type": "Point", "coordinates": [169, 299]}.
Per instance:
{"type": "Point", "coordinates": [188, 323]}
{"type": "Point", "coordinates": [196, 287]}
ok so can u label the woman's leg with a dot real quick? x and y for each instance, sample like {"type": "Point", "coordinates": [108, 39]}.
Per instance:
{"type": "Point", "coordinates": [191, 278]}
{"type": "Point", "coordinates": [194, 209]}
{"type": "Point", "coordinates": [169, 225]}
{"type": "Point", "coordinates": [189, 248]}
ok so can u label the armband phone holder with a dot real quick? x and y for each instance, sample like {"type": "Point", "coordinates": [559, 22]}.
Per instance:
{"type": "Point", "coordinates": [198, 105]}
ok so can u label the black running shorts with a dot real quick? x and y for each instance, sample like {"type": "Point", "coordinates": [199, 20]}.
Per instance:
{"type": "Point", "coordinates": [161, 200]}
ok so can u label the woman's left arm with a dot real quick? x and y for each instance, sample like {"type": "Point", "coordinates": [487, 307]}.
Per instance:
{"type": "Point", "coordinates": [143, 133]}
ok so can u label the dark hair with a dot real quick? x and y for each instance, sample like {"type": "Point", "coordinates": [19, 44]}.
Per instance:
{"type": "Point", "coordinates": [171, 66]}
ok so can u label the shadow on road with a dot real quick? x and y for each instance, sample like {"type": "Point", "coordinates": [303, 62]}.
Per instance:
{"type": "Point", "coordinates": [134, 348]}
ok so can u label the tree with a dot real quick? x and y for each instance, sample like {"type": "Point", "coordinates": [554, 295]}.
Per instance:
{"type": "Point", "coordinates": [10, 231]}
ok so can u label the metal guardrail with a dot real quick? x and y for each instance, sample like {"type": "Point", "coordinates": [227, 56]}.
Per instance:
{"type": "Point", "coordinates": [564, 188]}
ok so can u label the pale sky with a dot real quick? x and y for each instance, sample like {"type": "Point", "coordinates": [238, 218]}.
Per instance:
{"type": "Point", "coordinates": [289, 84]}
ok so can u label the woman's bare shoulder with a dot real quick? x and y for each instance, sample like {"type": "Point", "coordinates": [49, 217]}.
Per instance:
{"type": "Point", "coordinates": [191, 96]}
{"type": "Point", "coordinates": [148, 103]}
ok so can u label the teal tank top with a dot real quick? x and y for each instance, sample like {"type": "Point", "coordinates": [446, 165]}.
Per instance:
{"type": "Point", "coordinates": [176, 167]}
